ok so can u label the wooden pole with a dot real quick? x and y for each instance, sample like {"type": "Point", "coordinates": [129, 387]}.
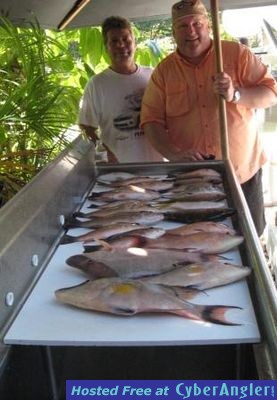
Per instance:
{"type": "Point", "coordinates": [219, 68]}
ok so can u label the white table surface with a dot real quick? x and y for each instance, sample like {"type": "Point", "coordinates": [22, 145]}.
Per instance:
{"type": "Point", "coordinates": [45, 321]}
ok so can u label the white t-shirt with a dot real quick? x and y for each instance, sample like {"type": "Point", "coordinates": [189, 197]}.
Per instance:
{"type": "Point", "coordinates": [112, 101]}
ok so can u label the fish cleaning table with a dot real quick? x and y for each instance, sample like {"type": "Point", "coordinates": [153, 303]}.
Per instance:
{"type": "Point", "coordinates": [45, 321]}
{"type": "Point", "coordinates": [33, 267]}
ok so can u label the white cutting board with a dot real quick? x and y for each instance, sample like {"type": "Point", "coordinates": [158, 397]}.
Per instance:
{"type": "Point", "coordinates": [45, 321]}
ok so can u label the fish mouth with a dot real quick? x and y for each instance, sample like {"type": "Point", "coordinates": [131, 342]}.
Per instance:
{"type": "Point", "coordinates": [65, 289]}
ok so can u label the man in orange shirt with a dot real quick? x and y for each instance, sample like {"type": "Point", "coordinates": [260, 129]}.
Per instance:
{"type": "Point", "coordinates": [180, 106]}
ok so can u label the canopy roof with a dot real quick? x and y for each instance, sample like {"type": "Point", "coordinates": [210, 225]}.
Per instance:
{"type": "Point", "coordinates": [50, 13]}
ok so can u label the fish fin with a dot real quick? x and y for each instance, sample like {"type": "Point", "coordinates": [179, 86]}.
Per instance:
{"type": "Point", "coordinates": [94, 205]}
{"type": "Point", "coordinates": [79, 214]}
{"type": "Point", "coordinates": [71, 287]}
{"type": "Point", "coordinates": [104, 244]}
{"type": "Point", "coordinates": [92, 248]}
{"type": "Point", "coordinates": [197, 289]}
{"type": "Point", "coordinates": [221, 257]}
{"type": "Point", "coordinates": [66, 239]}
{"type": "Point", "coordinates": [72, 222]}
{"type": "Point", "coordinates": [124, 311]}
{"type": "Point", "coordinates": [222, 215]}
{"type": "Point", "coordinates": [186, 293]}
{"type": "Point", "coordinates": [191, 249]}
{"type": "Point", "coordinates": [95, 195]}
{"type": "Point", "coordinates": [104, 183]}
{"type": "Point", "coordinates": [216, 314]}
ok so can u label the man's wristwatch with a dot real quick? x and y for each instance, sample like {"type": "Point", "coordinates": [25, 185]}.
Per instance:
{"type": "Point", "coordinates": [236, 96]}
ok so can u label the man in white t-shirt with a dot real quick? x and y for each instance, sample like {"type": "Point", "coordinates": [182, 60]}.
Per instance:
{"type": "Point", "coordinates": [112, 98]}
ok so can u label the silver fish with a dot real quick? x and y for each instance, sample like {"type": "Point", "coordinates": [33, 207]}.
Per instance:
{"type": "Point", "coordinates": [196, 215]}
{"type": "Point", "coordinates": [127, 298]}
{"type": "Point", "coordinates": [115, 176]}
{"type": "Point", "coordinates": [101, 233]}
{"type": "Point", "coordinates": [127, 204]}
{"type": "Point", "coordinates": [157, 186]}
{"type": "Point", "coordinates": [202, 275]}
{"type": "Point", "coordinates": [189, 205]}
{"type": "Point", "coordinates": [128, 193]}
{"type": "Point", "coordinates": [137, 206]}
{"type": "Point", "coordinates": [133, 262]}
{"type": "Point", "coordinates": [203, 226]}
{"type": "Point", "coordinates": [200, 172]}
{"type": "Point", "coordinates": [140, 181]}
{"type": "Point", "coordinates": [204, 192]}
{"type": "Point", "coordinates": [145, 218]}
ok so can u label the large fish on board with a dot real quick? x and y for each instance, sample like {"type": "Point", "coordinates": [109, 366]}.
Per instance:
{"type": "Point", "coordinates": [201, 242]}
{"type": "Point", "coordinates": [118, 242]}
{"type": "Point", "coordinates": [135, 238]}
{"type": "Point", "coordinates": [201, 275]}
{"type": "Point", "coordinates": [193, 211]}
{"type": "Point", "coordinates": [143, 217]}
{"type": "Point", "coordinates": [196, 192]}
{"type": "Point", "coordinates": [157, 185]}
{"type": "Point", "coordinates": [204, 226]}
{"type": "Point", "coordinates": [132, 263]}
{"type": "Point", "coordinates": [196, 173]}
{"type": "Point", "coordinates": [168, 204]}
{"type": "Point", "coordinates": [125, 206]}
{"type": "Point", "coordinates": [113, 211]}
{"type": "Point", "coordinates": [127, 298]}
{"type": "Point", "coordinates": [115, 176]}
{"type": "Point", "coordinates": [126, 193]}
{"type": "Point", "coordinates": [197, 215]}
{"type": "Point", "coordinates": [204, 242]}
{"type": "Point", "coordinates": [120, 205]}
{"type": "Point", "coordinates": [102, 233]}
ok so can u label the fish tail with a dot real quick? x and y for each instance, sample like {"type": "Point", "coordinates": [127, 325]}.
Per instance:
{"type": "Point", "coordinates": [104, 244]}
{"type": "Point", "coordinates": [91, 248]}
{"type": "Point", "coordinates": [95, 195]}
{"type": "Point", "coordinates": [216, 314]}
{"type": "Point", "coordinates": [221, 215]}
{"type": "Point", "coordinates": [93, 205]}
{"type": "Point", "coordinates": [72, 222]}
{"type": "Point", "coordinates": [66, 239]}
{"type": "Point", "coordinates": [79, 214]}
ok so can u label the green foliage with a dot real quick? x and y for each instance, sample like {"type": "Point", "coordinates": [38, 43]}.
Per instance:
{"type": "Point", "coordinates": [36, 106]}
{"type": "Point", "coordinates": [154, 29]}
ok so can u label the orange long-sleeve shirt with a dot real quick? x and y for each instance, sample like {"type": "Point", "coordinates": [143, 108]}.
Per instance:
{"type": "Point", "coordinates": [179, 96]}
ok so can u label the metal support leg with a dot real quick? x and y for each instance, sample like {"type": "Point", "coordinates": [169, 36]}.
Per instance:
{"type": "Point", "coordinates": [238, 361]}
{"type": "Point", "coordinates": [46, 351]}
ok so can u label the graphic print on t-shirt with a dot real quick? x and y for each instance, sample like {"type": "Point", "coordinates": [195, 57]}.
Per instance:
{"type": "Point", "coordinates": [128, 120]}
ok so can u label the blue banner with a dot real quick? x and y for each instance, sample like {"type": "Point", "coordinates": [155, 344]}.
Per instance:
{"type": "Point", "coordinates": [170, 390]}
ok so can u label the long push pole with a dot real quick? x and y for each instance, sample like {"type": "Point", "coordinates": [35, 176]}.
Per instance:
{"type": "Point", "coordinates": [219, 67]}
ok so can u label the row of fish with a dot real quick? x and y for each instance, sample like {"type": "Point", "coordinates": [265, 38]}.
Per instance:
{"type": "Point", "coordinates": [134, 266]}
